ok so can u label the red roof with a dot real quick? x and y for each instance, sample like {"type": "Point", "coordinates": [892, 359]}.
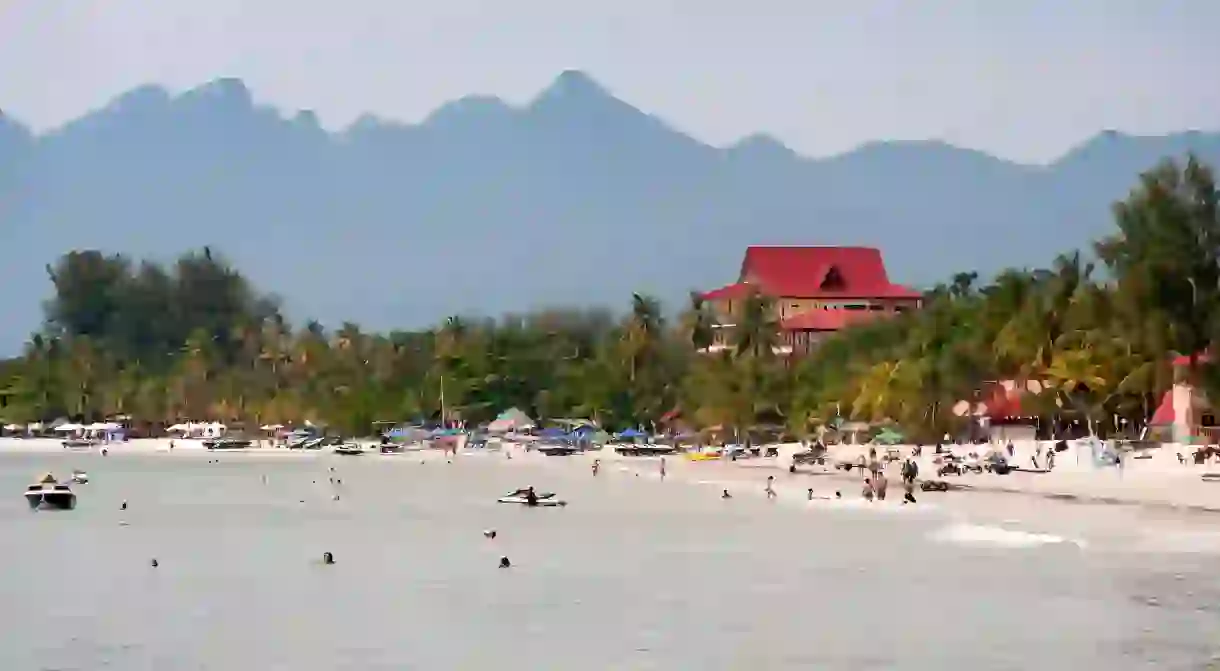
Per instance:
{"type": "Point", "coordinates": [1164, 414]}
{"type": "Point", "coordinates": [828, 320]}
{"type": "Point", "coordinates": [730, 292]}
{"type": "Point", "coordinates": [820, 272]}
{"type": "Point", "coordinates": [1184, 360]}
{"type": "Point", "coordinates": [1002, 403]}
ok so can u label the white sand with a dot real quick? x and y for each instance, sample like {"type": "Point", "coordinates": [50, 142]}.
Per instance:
{"type": "Point", "coordinates": [1157, 481]}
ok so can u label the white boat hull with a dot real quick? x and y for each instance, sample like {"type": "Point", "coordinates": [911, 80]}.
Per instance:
{"type": "Point", "coordinates": [58, 499]}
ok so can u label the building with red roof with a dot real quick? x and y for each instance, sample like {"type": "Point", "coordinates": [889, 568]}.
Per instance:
{"type": "Point", "coordinates": [817, 291]}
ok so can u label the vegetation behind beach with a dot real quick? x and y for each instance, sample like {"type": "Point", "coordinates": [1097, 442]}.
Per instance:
{"type": "Point", "coordinates": [1097, 329]}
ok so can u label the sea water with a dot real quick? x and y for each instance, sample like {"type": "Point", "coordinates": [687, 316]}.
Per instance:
{"type": "Point", "coordinates": [633, 574]}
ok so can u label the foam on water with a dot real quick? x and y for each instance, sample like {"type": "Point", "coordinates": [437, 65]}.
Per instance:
{"type": "Point", "coordinates": [992, 536]}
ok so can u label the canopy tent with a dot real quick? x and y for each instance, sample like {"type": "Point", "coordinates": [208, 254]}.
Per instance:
{"type": "Point", "coordinates": [631, 433]}
{"type": "Point", "coordinates": [513, 419]}
{"type": "Point", "coordinates": [888, 436]}
{"type": "Point", "coordinates": [407, 433]}
{"type": "Point", "coordinates": [590, 434]}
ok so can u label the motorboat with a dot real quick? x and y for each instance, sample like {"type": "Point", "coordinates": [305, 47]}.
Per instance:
{"type": "Point", "coordinates": [228, 444]}
{"type": "Point", "coordinates": [350, 449]}
{"type": "Point", "coordinates": [80, 477]}
{"type": "Point", "coordinates": [557, 449]}
{"type": "Point", "coordinates": [644, 450]}
{"type": "Point", "coordinates": [46, 493]}
{"type": "Point", "coordinates": [545, 499]}
{"type": "Point", "coordinates": [713, 455]}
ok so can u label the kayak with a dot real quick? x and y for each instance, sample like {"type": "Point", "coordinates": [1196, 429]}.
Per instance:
{"type": "Point", "coordinates": [546, 500]}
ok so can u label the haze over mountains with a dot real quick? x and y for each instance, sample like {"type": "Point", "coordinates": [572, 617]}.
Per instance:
{"type": "Point", "coordinates": [575, 198]}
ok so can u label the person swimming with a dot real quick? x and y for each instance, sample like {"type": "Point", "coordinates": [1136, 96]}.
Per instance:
{"type": "Point", "coordinates": [505, 563]}
{"type": "Point", "coordinates": [726, 495]}
{"type": "Point", "coordinates": [531, 499]}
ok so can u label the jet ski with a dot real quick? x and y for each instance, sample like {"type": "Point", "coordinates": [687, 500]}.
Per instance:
{"type": "Point", "coordinates": [520, 497]}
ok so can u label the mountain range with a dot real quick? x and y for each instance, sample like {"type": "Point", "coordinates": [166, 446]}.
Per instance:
{"type": "Point", "coordinates": [574, 198]}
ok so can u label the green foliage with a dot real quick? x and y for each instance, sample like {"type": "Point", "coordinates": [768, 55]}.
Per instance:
{"type": "Point", "coordinates": [195, 340]}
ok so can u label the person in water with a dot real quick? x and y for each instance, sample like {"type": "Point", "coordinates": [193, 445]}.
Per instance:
{"type": "Point", "coordinates": [908, 491]}
{"type": "Point", "coordinates": [770, 487]}
{"type": "Point", "coordinates": [662, 468]}
{"type": "Point", "coordinates": [531, 499]}
{"type": "Point", "coordinates": [867, 490]}
{"type": "Point", "coordinates": [726, 495]}
{"type": "Point", "coordinates": [597, 466]}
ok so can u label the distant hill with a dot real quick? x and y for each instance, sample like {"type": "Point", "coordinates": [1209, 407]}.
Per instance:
{"type": "Point", "coordinates": [577, 197]}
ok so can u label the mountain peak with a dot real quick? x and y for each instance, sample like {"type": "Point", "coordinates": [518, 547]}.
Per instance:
{"type": "Point", "coordinates": [573, 85]}
{"type": "Point", "coordinates": [762, 145]}
{"type": "Point", "coordinates": [225, 92]}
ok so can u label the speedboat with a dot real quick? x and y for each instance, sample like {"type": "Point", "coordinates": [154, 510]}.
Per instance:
{"type": "Point", "coordinates": [350, 449]}
{"type": "Point", "coordinates": [80, 477]}
{"type": "Point", "coordinates": [545, 500]}
{"type": "Point", "coordinates": [228, 444]}
{"type": "Point", "coordinates": [48, 494]}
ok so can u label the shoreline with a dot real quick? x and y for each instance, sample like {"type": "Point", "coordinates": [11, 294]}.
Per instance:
{"type": "Point", "coordinates": [1180, 488]}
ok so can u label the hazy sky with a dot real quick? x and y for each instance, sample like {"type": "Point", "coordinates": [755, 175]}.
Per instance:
{"type": "Point", "coordinates": [1024, 79]}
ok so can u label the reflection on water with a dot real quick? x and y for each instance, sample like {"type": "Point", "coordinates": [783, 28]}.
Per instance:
{"type": "Point", "coordinates": [634, 574]}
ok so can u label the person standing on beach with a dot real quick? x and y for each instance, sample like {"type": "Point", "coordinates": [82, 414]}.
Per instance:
{"type": "Point", "coordinates": [662, 468]}
{"type": "Point", "coordinates": [880, 484]}
{"type": "Point", "coordinates": [597, 465]}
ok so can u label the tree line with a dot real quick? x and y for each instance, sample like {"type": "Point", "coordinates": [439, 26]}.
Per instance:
{"type": "Point", "coordinates": [1097, 330]}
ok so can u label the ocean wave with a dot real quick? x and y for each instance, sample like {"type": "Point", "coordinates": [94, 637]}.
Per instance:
{"type": "Point", "coordinates": [990, 536]}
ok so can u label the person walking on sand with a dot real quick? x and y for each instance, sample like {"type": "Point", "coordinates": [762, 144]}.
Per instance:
{"type": "Point", "coordinates": [880, 484]}
{"type": "Point", "coordinates": [771, 487]}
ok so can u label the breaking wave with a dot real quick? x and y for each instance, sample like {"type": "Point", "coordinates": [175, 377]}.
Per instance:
{"type": "Point", "coordinates": [989, 536]}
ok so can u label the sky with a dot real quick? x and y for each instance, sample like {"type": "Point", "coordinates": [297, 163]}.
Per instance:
{"type": "Point", "coordinates": [1021, 79]}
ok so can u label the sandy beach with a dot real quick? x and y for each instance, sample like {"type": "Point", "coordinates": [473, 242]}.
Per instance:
{"type": "Point", "coordinates": [1158, 480]}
